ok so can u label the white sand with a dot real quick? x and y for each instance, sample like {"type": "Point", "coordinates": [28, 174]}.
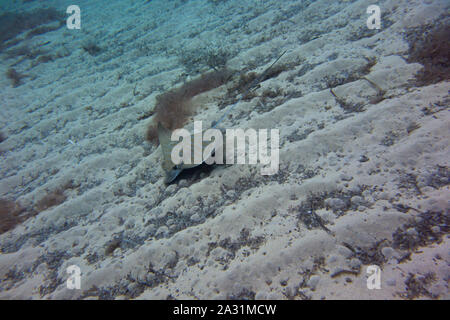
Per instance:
{"type": "Point", "coordinates": [231, 232]}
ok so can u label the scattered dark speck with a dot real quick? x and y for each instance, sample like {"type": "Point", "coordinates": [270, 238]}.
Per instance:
{"type": "Point", "coordinates": [363, 158]}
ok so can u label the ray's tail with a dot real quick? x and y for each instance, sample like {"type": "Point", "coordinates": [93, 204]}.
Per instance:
{"type": "Point", "coordinates": [249, 88]}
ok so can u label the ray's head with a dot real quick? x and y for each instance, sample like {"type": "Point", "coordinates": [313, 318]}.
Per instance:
{"type": "Point", "coordinates": [172, 174]}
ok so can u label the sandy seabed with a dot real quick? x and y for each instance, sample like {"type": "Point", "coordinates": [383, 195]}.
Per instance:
{"type": "Point", "coordinates": [364, 156]}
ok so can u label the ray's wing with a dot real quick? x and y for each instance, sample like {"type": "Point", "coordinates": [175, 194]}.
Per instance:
{"type": "Point", "coordinates": [166, 145]}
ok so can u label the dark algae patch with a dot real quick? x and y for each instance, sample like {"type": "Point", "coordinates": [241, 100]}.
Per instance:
{"type": "Point", "coordinates": [429, 45]}
{"type": "Point", "coordinates": [14, 23]}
